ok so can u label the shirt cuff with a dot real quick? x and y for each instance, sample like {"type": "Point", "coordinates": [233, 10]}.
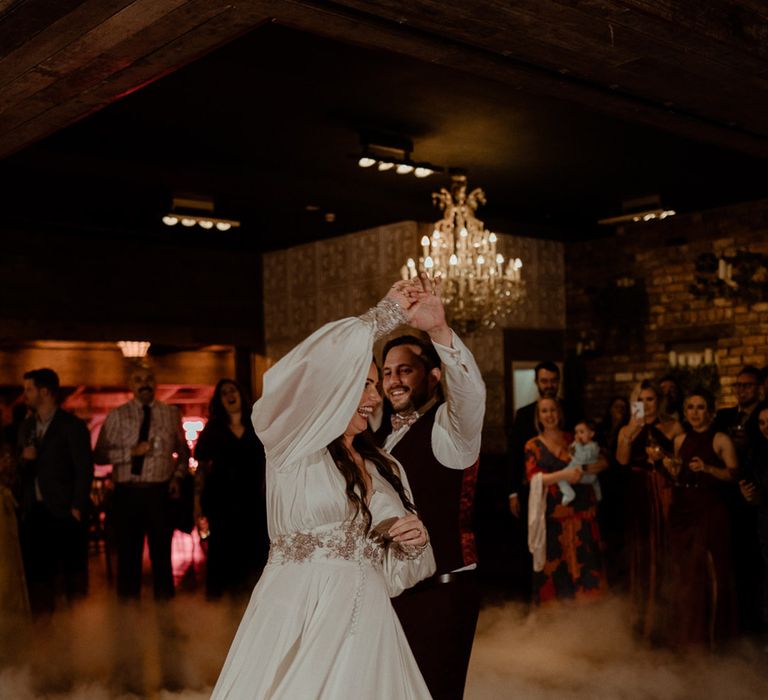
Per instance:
{"type": "Point", "coordinates": [448, 354]}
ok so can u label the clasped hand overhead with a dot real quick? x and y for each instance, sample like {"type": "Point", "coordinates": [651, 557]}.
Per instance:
{"type": "Point", "coordinates": [420, 300]}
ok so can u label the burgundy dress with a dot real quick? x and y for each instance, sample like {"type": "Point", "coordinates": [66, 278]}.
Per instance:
{"type": "Point", "coordinates": [701, 600]}
{"type": "Point", "coordinates": [649, 494]}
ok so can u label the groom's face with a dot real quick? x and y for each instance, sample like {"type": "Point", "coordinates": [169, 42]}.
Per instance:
{"type": "Point", "coordinates": [406, 382]}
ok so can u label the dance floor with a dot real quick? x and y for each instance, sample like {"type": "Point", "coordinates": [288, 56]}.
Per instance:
{"type": "Point", "coordinates": [100, 650]}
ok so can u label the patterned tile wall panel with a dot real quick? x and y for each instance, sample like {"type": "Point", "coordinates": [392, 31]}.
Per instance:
{"type": "Point", "coordinates": [309, 285]}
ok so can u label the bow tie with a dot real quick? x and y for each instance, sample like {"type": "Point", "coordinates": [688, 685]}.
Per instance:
{"type": "Point", "coordinates": [399, 421]}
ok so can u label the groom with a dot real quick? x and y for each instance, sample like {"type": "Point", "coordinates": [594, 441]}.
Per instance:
{"type": "Point", "coordinates": [436, 396]}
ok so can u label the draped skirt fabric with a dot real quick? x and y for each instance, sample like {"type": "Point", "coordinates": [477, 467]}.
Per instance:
{"type": "Point", "coordinates": [701, 598]}
{"type": "Point", "coordinates": [13, 587]}
{"type": "Point", "coordinates": [649, 496]}
{"type": "Point", "coordinates": [320, 630]}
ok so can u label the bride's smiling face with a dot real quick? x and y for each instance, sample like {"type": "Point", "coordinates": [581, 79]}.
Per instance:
{"type": "Point", "coordinates": [368, 402]}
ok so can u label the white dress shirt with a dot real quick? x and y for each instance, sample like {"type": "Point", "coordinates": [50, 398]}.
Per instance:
{"type": "Point", "coordinates": [456, 434]}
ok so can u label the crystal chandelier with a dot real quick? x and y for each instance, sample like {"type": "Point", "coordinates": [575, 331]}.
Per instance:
{"type": "Point", "coordinates": [479, 285]}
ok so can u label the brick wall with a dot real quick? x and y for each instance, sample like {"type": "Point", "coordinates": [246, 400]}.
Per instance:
{"type": "Point", "coordinates": [628, 301]}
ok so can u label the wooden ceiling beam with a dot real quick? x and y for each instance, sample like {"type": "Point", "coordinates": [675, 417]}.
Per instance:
{"type": "Point", "coordinates": [398, 32]}
{"type": "Point", "coordinates": [630, 59]}
{"type": "Point", "coordinates": [113, 58]}
{"type": "Point", "coordinates": [695, 68]}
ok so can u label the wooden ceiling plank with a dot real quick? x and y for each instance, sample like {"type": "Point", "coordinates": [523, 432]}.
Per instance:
{"type": "Point", "coordinates": [22, 20]}
{"type": "Point", "coordinates": [45, 112]}
{"type": "Point", "coordinates": [33, 93]}
{"type": "Point", "coordinates": [87, 48]}
{"type": "Point", "coordinates": [336, 25]}
{"type": "Point", "coordinates": [37, 112]}
{"type": "Point", "coordinates": [35, 49]}
{"type": "Point", "coordinates": [111, 33]}
{"type": "Point", "coordinates": [550, 39]}
{"type": "Point", "coordinates": [741, 25]}
{"type": "Point", "coordinates": [562, 36]}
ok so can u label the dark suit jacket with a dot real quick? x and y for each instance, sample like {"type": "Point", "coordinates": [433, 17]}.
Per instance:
{"type": "Point", "coordinates": [726, 420]}
{"type": "Point", "coordinates": [64, 464]}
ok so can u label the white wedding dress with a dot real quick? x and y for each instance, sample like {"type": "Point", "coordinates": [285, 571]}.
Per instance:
{"type": "Point", "coordinates": [319, 624]}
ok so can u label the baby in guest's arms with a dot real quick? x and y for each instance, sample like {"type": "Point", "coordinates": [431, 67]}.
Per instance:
{"type": "Point", "coordinates": [584, 450]}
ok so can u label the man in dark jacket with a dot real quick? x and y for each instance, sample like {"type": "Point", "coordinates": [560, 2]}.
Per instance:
{"type": "Point", "coordinates": [56, 476]}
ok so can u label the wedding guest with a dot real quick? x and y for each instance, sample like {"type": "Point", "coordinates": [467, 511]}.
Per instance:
{"type": "Point", "coordinates": [547, 379]}
{"type": "Point", "coordinates": [613, 482]}
{"type": "Point", "coordinates": [232, 497]}
{"type": "Point", "coordinates": [738, 422]}
{"type": "Point", "coordinates": [642, 444]}
{"type": "Point", "coordinates": [564, 539]}
{"type": "Point", "coordinates": [701, 601]}
{"type": "Point", "coordinates": [56, 470]}
{"type": "Point", "coordinates": [13, 586]}
{"type": "Point", "coordinates": [584, 451]}
{"type": "Point", "coordinates": [671, 397]}
{"type": "Point", "coordinates": [616, 416]}
{"type": "Point", "coordinates": [144, 442]}
{"type": "Point", "coordinates": [753, 483]}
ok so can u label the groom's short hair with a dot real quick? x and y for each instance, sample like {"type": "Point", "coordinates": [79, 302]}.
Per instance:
{"type": "Point", "coordinates": [428, 354]}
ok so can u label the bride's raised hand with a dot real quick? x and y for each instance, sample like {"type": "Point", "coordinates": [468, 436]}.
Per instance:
{"type": "Point", "coordinates": [404, 293]}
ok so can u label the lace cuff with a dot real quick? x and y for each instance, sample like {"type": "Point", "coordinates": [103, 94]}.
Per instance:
{"type": "Point", "coordinates": [386, 316]}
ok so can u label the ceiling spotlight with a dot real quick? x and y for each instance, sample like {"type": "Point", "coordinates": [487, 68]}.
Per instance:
{"type": "Point", "coordinates": [133, 348]}
{"type": "Point", "coordinates": [196, 210]}
{"type": "Point", "coordinates": [391, 152]}
{"type": "Point", "coordinates": [639, 210]}
{"type": "Point", "coordinates": [638, 216]}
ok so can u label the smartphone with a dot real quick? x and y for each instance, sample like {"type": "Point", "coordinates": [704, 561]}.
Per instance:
{"type": "Point", "coordinates": [638, 409]}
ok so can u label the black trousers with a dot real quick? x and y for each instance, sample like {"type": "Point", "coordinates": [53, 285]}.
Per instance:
{"type": "Point", "coordinates": [142, 510]}
{"type": "Point", "coordinates": [439, 620]}
{"type": "Point", "coordinates": [55, 553]}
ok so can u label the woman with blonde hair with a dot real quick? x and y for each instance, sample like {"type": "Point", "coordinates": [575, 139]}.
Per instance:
{"type": "Point", "coordinates": [642, 445]}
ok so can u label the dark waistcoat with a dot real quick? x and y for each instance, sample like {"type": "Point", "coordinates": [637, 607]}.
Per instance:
{"type": "Point", "coordinates": [443, 497]}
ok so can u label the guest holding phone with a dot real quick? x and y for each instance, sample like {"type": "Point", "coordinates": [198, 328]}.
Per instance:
{"type": "Point", "coordinates": [641, 446]}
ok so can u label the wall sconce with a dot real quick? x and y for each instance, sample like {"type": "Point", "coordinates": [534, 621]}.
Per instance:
{"type": "Point", "coordinates": [691, 358]}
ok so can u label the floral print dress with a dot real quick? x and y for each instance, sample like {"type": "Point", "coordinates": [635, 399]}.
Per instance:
{"type": "Point", "coordinates": [574, 562]}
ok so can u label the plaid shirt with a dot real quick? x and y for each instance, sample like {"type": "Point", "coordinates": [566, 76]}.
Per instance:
{"type": "Point", "coordinates": [120, 433]}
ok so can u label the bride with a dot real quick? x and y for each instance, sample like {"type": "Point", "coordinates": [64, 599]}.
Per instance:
{"type": "Point", "coordinates": [344, 534]}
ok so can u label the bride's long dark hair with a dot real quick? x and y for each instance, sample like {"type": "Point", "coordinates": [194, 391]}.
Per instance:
{"type": "Point", "coordinates": [357, 492]}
